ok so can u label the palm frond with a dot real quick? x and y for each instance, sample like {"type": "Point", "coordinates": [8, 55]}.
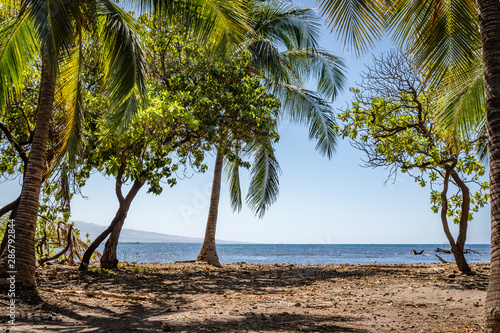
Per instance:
{"type": "Point", "coordinates": [464, 112]}
{"type": "Point", "coordinates": [232, 171]}
{"type": "Point", "coordinates": [124, 61]}
{"type": "Point", "coordinates": [264, 185]}
{"type": "Point", "coordinates": [286, 25]}
{"type": "Point", "coordinates": [124, 113]}
{"type": "Point", "coordinates": [439, 34]}
{"type": "Point", "coordinates": [482, 147]}
{"type": "Point", "coordinates": [266, 58]}
{"type": "Point", "coordinates": [305, 106]}
{"type": "Point", "coordinates": [70, 100]}
{"type": "Point", "coordinates": [215, 22]}
{"type": "Point", "coordinates": [359, 23]}
{"type": "Point", "coordinates": [18, 49]}
{"type": "Point", "coordinates": [54, 25]}
{"type": "Point", "coordinates": [319, 65]}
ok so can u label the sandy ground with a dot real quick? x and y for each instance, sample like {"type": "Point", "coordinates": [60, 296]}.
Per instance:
{"type": "Point", "coordinates": [188, 297]}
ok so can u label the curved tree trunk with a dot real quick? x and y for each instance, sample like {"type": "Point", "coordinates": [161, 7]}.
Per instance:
{"type": "Point", "coordinates": [489, 20]}
{"type": "Point", "coordinates": [458, 252]}
{"type": "Point", "coordinates": [84, 263]}
{"type": "Point", "coordinates": [208, 252]}
{"type": "Point", "coordinates": [458, 248]}
{"type": "Point", "coordinates": [27, 214]}
{"type": "Point", "coordinates": [4, 210]}
{"type": "Point", "coordinates": [108, 259]}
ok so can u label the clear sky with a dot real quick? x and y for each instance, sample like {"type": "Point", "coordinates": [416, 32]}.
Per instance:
{"type": "Point", "coordinates": [321, 201]}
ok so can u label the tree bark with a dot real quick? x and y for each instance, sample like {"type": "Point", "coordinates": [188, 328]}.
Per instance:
{"type": "Point", "coordinates": [5, 209]}
{"type": "Point", "coordinates": [84, 263]}
{"type": "Point", "coordinates": [458, 252]}
{"type": "Point", "coordinates": [27, 214]}
{"type": "Point", "coordinates": [489, 20]}
{"type": "Point", "coordinates": [208, 252]}
{"type": "Point", "coordinates": [108, 259]}
{"type": "Point", "coordinates": [463, 225]}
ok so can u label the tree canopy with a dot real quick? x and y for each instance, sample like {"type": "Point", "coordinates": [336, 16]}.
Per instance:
{"type": "Point", "coordinates": [393, 120]}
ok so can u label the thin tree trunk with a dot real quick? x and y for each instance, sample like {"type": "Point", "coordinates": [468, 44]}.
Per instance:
{"type": "Point", "coordinates": [463, 224]}
{"type": "Point", "coordinates": [489, 20]}
{"type": "Point", "coordinates": [5, 209]}
{"type": "Point", "coordinates": [84, 263]}
{"type": "Point", "coordinates": [108, 259]}
{"type": "Point", "coordinates": [459, 255]}
{"type": "Point", "coordinates": [27, 214]}
{"type": "Point", "coordinates": [208, 252]}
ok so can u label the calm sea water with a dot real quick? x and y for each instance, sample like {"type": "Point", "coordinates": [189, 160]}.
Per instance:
{"type": "Point", "coordinates": [298, 253]}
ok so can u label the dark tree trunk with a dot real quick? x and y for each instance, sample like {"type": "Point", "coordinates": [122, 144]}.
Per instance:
{"type": "Point", "coordinates": [84, 263]}
{"type": "Point", "coordinates": [4, 210]}
{"type": "Point", "coordinates": [27, 213]}
{"type": "Point", "coordinates": [458, 248]}
{"type": "Point", "coordinates": [489, 20]}
{"type": "Point", "coordinates": [208, 252]}
{"type": "Point", "coordinates": [459, 255]}
{"type": "Point", "coordinates": [458, 252]}
{"type": "Point", "coordinates": [108, 259]}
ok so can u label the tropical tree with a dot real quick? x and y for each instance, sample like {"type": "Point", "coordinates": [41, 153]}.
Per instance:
{"type": "Point", "coordinates": [55, 30]}
{"type": "Point", "coordinates": [16, 133]}
{"type": "Point", "coordinates": [60, 36]}
{"type": "Point", "coordinates": [285, 55]}
{"type": "Point", "coordinates": [393, 120]}
{"type": "Point", "coordinates": [228, 103]}
{"type": "Point", "coordinates": [444, 37]}
{"type": "Point", "coordinates": [159, 140]}
{"type": "Point", "coordinates": [189, 93]}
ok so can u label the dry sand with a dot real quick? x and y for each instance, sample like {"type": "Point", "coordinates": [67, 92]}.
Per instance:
{"type": "Point", "coordinates": [188, 297]}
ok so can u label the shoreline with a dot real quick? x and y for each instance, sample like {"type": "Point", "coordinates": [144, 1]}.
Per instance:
{"type": "Point", "coordinates": [193, 297]}
{"type": "Point", "coordinates": [299, 253]}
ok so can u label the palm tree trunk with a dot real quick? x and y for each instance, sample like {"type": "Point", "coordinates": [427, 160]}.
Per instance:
{"type": "Point", "coordinates": [27, 212]}
{"type": "Point", "coordinates": [208, 252]}
{"type": "Point", "coordinates": [489, 20]}
{"type": "Point", "coordinates": [109, 259]}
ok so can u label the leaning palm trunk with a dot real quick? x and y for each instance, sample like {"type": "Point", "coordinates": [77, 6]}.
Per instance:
{"type": "Point", "coordinates": [489, 18]}
{"type": "Point", "coordinates": [208, 252]}
{"type": "Point", "coordinates": [27, 211]}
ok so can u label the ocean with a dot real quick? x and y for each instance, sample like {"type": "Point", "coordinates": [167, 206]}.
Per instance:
{"type": "Point", "coordinates": [304, 254]}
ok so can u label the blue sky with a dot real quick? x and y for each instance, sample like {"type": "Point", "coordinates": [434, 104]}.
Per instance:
{"type": "Point", "coordinates": [321, 201]}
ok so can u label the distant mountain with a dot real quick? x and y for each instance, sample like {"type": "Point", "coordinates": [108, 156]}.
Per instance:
{"type": "Point", "coordinates": [134, 236]}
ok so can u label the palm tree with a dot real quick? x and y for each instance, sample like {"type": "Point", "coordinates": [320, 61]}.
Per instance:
{"type": "Point", "coordinates": [56, 30]}
{"type": "Point", "coordinates": [444, 37]}
{"type": "Point", "coordinates": [279, 25]}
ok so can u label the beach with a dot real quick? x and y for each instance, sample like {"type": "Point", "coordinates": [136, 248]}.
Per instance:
{"type": "Point", "coordinates": [240, 297]}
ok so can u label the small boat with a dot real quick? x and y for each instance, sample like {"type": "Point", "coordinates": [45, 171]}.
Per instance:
{"type": "Point", "coordinates": [415, 252]}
